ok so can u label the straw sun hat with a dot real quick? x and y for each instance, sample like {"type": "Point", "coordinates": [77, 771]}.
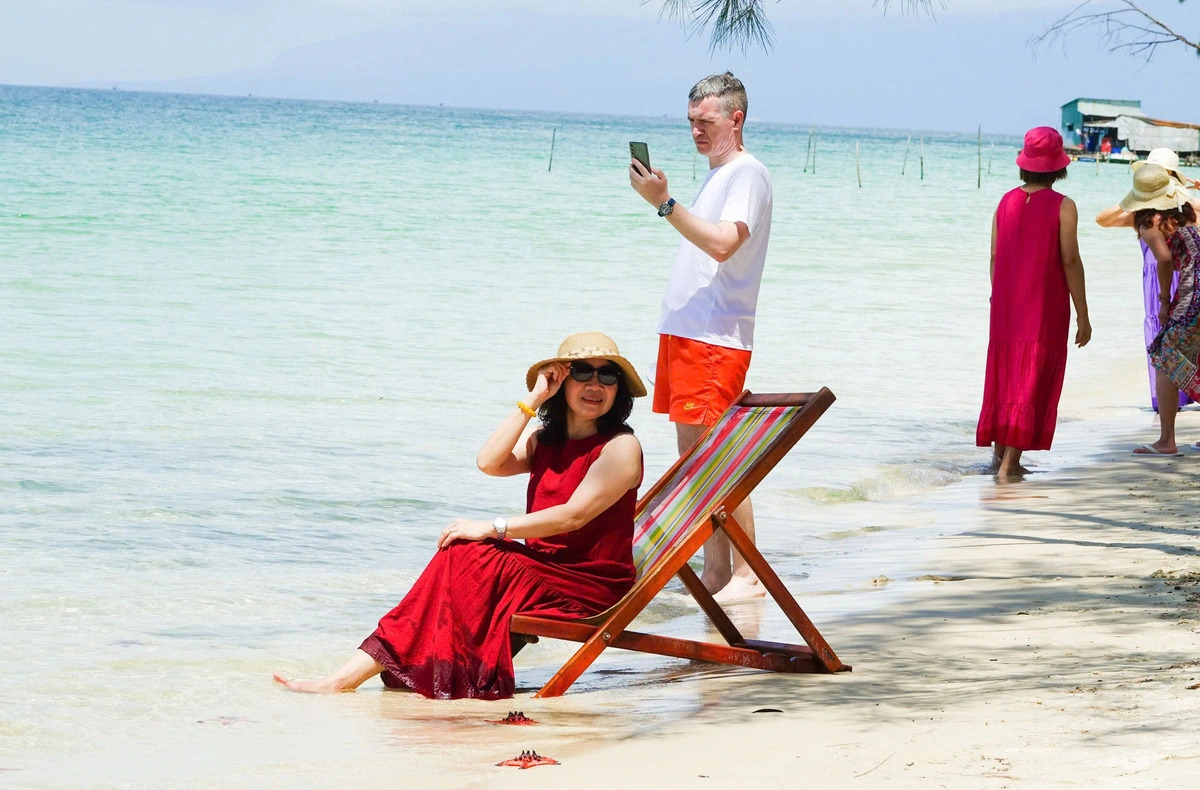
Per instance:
{"type": "Point", "coordinates": [1165, 157]}
{"type": "Point", "coordinates": [1154, 188]}
{"type": "Point", "coordinates": [590, 345]}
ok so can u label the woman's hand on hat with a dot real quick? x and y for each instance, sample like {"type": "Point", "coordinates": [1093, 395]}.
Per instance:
{"type": "Point", "coordinates": [549, 379]}
{"type": "Point", "coordinates": [465, 529]}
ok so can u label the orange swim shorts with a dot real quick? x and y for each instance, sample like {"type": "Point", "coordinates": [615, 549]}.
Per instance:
{"type": "Point", "coordinates": [695, 382]}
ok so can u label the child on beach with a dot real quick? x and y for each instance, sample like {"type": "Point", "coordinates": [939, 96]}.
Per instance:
{"type": "Point", "coordinates": [1166, 222]}
{"type": "Point", "coordinates": [1035, 267]}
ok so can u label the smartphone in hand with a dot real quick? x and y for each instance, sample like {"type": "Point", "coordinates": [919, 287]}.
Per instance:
{"type": "Point", "coordinates": [640, 152]}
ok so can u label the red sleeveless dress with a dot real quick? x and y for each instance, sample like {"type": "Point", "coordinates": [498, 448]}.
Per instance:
{"type": "Point", "coordinates": [1030, 324]}
{"type": "Point", "coordinates": [449, 637]}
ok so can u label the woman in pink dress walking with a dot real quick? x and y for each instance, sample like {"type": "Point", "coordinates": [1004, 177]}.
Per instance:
{"type": "Point", "coordinates": [1036, 272]}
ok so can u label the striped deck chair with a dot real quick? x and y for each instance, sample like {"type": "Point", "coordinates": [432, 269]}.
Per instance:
{"type": "Point", "coordinates": [674, 518]}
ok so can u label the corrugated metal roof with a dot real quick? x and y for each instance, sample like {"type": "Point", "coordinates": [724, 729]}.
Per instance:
{"type": "Point", "coordinates": [1174, 124]}
{"type": "Point", "coordinates": [1143, 134]}
{"type": "Point", "coordinates": [1107, 107]}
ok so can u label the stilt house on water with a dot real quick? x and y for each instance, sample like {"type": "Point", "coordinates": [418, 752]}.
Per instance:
{"type": "Point", "coordinates": [1116, 129]}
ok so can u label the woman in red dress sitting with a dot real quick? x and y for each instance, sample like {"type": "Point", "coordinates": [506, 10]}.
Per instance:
{"type": "Point", "coordinates": [449, 637]}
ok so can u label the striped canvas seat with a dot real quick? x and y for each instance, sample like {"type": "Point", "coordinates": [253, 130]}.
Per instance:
{"type": "Point", "coordinates": [728, 451]}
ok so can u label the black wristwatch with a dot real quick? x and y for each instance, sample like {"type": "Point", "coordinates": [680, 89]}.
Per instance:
{"type": "Point", "coordinates": [666, 208]}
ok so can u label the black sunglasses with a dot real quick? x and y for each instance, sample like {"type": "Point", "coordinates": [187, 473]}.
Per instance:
{"type": "Point", "coordinates": [606, 375]}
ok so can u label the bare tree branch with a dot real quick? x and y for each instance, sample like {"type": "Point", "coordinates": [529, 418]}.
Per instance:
{"type": "Point", "coordinates": [1128, 28]}
{"type": "Point", "coordinates": [743, 23]}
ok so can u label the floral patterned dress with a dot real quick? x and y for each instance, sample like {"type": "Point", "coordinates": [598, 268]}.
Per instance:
{"type": "Point", "coordinates": [1175, 352]}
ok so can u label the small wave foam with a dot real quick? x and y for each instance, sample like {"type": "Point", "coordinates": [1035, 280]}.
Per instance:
{"type": "Point", "coordinates": [896, 481]}
{"type": "Point", "coordinates": [853, 533]}
{"type": "Point", "coordinates": [38, 485]}
{"type": "Point", "coordinates": [666, 606]}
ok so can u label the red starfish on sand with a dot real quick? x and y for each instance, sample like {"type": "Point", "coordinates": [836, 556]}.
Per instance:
{"type": "Point", "coordinates": [515, 717]}
{"type": "Point", "coordinates": [528, 760]}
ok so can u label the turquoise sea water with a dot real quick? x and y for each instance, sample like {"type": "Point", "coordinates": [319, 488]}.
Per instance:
{"type": "Point", "coordinates": [250, 348]}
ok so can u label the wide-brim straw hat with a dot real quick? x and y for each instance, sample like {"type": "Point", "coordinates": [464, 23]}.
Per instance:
{"type": "Point", "coordinates": [1164, 157]}
{"type": "Point", "coordinates": [1154, 188]}
{"type": "Point", "coordinates": [1043, 151]}
{"type": "Point", "coordinates": [590, 345]}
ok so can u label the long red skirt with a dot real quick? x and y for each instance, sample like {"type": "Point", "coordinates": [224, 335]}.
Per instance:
{"type": "Point", "coordinates": [449, 637]}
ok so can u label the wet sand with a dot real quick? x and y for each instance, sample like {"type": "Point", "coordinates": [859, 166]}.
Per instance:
{"type": "Point", "coordinates": [1052, 641]}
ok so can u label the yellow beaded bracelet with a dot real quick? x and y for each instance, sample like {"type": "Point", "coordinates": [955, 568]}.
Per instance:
{"type": "Point", "coordinates": [528, 412]}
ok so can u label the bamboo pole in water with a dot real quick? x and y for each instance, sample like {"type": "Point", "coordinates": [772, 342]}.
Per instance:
{"type": "Point", "coordinates": [922, 158]}
{"type": "Point", "coordinates": [553, 135]}
{"type": "Point", "coordinates": [979, 157]}
{"type": "Point", "coordinates": [814, 139]}
{"type": "Point", "coordinates": [904, 165]}
{"type": "Point", "coordinates": [808, 150]}
{"type": "Point", "coordinates": [857, 164]}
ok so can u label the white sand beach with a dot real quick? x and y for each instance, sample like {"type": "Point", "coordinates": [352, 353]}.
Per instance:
{"type": "Point", "coordinates": [1053, 643]}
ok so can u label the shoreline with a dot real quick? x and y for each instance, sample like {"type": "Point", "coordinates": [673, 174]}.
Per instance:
{"type": "Point", "coordinates": [1055, 641]}
{"type": "Point", "coordinates": [232, 438]}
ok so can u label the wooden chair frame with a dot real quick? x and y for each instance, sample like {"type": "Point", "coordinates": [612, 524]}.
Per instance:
{"type": "Point", "coordinates": [608, 629]}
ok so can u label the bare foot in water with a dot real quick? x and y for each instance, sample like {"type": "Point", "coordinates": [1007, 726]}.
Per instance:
{"type": "Point", "coordinates": [323, 686]}
{"type": "Point", "coordinates": [350, 676]}
{"type": "Point", "coordinates": [1011, 474]}
{"type": "Point", "coordinates": [740, 589]}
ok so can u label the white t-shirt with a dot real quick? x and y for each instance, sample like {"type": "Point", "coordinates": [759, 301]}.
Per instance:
{"type": "Point", "coordinates": [715, 302]}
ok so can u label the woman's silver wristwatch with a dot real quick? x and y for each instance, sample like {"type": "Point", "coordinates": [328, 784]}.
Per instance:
{"type": "Point", "coordinates": [501, 527]}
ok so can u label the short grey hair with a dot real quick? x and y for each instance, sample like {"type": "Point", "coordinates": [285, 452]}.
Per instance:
{"type": "Point", "coordinates": [726, 87]}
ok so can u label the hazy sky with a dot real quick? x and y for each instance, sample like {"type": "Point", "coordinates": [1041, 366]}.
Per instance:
{"type": "Point", "coordinates": [835, 61]}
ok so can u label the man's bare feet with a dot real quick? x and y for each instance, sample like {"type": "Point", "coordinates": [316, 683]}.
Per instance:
{"type": "Point", "coordinates": [714, 582]}
{"type": "Point", "coordinates": [740, 589]}
{"type": "Point", "coordinates": [323, 686]}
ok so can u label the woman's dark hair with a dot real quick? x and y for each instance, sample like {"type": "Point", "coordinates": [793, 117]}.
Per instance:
{"type": "Point", "coordinates": [1144, 218]}
{"type": "Point", "coordinates": [1043, 179]}
{"type": "Point", "coordinates": [553, 415]}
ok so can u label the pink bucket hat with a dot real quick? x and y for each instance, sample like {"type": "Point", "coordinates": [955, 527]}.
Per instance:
{"type": "Point", "coordinates": [1043, 151]}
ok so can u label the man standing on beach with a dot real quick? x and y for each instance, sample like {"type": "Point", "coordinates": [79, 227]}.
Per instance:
{"type": "Point", "coordinates": [706, 328]}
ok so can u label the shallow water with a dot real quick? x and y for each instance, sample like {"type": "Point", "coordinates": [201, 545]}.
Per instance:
{"type": "Point", "coordinates": [252, 346]}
